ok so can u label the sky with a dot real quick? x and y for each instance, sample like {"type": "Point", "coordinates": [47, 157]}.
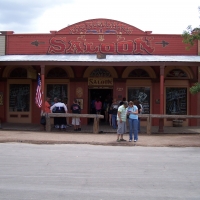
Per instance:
{"type": "Point", "coordinates": [43, 16]}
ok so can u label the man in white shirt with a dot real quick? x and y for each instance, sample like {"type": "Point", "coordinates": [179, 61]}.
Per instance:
{"type": "Point", "coordinates": [121, 120]}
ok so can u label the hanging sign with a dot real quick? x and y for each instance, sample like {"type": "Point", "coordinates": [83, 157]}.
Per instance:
{"type": "Point", "coordinates": [100, 81]}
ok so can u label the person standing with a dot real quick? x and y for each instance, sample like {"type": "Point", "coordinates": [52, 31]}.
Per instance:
{"type": "Point", "coordinates": [47, 105]}
{"type": "Point", "coordinates": [121, 120]}
{"type": "Point", "coordinates": [98, 106]}
{"type": "Point", "coordinates": [105, 109]}
{"type": "Point", "coordinates": [121, 102]}
{"type": "Point", "coordinates": [137, 103]}
{"type": "Point", "coordinates": [132, 112]}
{"type": "Point", "coordinates": [59, 107]}
{"type": "Point", "coordinates": [75, 108]}
{"type": "Point", "coordinates": [114, 108]}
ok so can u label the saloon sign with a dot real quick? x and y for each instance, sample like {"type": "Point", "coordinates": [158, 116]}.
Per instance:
{"type": "Point", "coordinates": [140, 45]}
{"type": "Point", "coordinates": [100, 81]}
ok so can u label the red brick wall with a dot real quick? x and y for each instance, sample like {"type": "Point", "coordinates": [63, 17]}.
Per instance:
{"type": "Point", "coordinates": [64, 44]}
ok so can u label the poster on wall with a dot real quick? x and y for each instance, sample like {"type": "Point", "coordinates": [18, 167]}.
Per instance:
{"type": "Point", "coordinates": [176, 101]}
{"type": "Point", "coordinates": [142, 94]}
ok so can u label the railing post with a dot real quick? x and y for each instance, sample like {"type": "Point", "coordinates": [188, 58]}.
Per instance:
{"type": "Point", "coordinates": [96, 125]}
{"type": "Point", "coordinates": [149, 125]}
{"type": "Point", "coordinates": [48, 123]}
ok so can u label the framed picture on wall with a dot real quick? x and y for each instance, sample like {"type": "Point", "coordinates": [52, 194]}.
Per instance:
{"type": "Point", "coordinates": [80, 102]}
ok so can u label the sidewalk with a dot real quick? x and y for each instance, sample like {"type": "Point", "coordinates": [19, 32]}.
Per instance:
{"type": "Point", "coordinates": [172, 136]}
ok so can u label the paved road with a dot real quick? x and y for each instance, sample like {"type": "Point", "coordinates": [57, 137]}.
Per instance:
{"type": "Point", "coordinates": [86, 172]}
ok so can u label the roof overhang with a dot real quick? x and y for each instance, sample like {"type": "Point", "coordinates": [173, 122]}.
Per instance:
{"type": "Point", "coordinates": [110, 60]}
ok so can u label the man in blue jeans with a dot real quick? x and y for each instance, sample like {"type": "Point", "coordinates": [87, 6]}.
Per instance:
{"type": "Point", "coordinates": [132, 112]}
{"type": "Point", "coordinates": [114, 108]}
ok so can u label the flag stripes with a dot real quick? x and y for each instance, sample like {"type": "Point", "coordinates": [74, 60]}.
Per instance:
{"type": "Point", "coordinates": [38, 96]}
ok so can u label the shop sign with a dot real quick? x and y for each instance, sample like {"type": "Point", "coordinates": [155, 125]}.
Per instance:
{"type": "Point", "coordinates": [140, 45]}
{"type": "Point", "coordinates": [100, 81]}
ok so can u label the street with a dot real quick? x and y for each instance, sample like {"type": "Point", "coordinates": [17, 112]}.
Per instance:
{"type": "Point", "coordinates": [74, 172]}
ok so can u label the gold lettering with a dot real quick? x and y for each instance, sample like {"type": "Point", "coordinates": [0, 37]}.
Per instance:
{"type": "Point", "coordinates": [100, 81]}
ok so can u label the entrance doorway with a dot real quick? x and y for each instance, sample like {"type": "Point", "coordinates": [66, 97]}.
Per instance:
{"type": "Point", "coordinates": [103, 95]}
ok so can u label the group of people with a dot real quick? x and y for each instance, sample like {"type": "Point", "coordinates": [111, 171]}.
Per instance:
{"type": "Point", "coordinates": [59, 107]}
{"type": "Point", "coordinates": [128, 110]}
{"type": "Point", "coordinates": [119, 113]}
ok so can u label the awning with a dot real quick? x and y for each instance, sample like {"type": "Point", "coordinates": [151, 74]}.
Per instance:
{"type": "Point", "coordinates": [93, 58]}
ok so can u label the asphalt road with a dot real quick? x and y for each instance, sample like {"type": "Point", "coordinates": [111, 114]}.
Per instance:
{"type": "Point", "coordinates": [87, 172]}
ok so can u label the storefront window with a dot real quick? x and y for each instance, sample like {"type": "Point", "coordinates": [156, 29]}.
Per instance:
{"type": "Point", "coordinates": [142, 94]}
{"type": "Point", "coordinates": [176, 101]}
{"type": "Point", "coordinates": [57, 90]}
{"type": "Point", "coordinates": [19, 98]}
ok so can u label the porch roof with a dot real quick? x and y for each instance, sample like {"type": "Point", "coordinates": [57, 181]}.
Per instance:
{"type": "Point", "coordinates": [93, 58]}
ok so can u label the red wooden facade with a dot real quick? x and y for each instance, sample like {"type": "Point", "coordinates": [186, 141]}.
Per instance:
{"type": "Point", "coordinates": [100, 37]}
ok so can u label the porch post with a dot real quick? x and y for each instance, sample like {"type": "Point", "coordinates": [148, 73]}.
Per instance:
{"type": "Point", "coordinates": [42, 84]}
{"type": "Point", "coordinates": [198, 94]}
{"type": "Point", "coordinates": [161, 120]}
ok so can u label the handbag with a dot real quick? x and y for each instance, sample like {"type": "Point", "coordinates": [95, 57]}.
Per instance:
{"type": "Point", "coordinates": [43, 120]}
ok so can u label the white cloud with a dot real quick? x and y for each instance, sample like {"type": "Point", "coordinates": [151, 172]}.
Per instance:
{"type": "Point", "coordinates": [159, 16]}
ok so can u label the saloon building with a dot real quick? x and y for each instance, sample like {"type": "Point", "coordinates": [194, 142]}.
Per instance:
{"type": "Point", "coordinates": [98, 58]}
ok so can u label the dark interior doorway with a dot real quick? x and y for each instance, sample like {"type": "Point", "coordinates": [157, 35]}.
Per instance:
{"type": "Point", "coordinates": [103, 95]}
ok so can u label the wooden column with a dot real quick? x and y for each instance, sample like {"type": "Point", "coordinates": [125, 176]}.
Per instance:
{"type": "Point", "coordinates": [198, 94]}
{"type": "Point", "coordinates": [42, 84]}
{"type": "Point", "coordinates": [161, 120]}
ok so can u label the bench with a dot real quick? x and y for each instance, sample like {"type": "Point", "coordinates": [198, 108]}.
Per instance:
{"type": "Point", "coordinates": [94, 116]}
{"type": "Point", "coordinates": [150, 116]}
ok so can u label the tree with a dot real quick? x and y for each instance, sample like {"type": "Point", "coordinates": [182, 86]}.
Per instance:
{"type": "Point", "coordinates": [189, 37]}
{"type": "Point", "coordinates": [195, 88]}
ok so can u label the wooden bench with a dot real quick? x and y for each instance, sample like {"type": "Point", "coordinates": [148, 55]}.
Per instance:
{"type": "Point", "coordinates": [150, 116]}
{"type": "Point", "coordinates": [94, 116]}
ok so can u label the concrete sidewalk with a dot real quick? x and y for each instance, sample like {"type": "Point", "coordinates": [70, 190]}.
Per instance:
{"type": "Point", "coordinates": [154, 140]}
{"type": "Point", "coordinates": [31, 133]}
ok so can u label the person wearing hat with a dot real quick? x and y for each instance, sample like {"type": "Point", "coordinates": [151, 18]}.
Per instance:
{"type": "Point", "coordinates": [121, 121]}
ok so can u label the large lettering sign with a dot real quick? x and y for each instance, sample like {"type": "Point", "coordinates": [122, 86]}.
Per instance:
{"type": "Point", "coordinates": [100, 81]}
{"type": "Point", "coordinates": [99, 36]}
{"type": "Point", "coordinates": [140, 45]}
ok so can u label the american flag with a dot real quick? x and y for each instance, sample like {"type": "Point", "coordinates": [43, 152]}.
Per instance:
{"type": "Point", "coordinates": [38, 96]}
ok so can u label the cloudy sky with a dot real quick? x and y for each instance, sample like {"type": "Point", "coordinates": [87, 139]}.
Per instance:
{"type": "Point", "coordinates": [42, 16]}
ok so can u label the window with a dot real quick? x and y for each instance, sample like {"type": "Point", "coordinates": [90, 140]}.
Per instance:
{"type": "Point", "coordinates": [138, 73]}
{"type": "Point", "coordinates": [19, 97]}
{"type": "Point", "coordinates": [100, 73]}
{"type": "Point", "coordinates": [57, 73]}
{"type": "Point", "coordinates": [177, 73]}
{"type": "Point", "coordinates": [142, 94]}
{"type": "Point", "coordinates": [57, 90]}
{"type": "Point", "coordinates": [176, 101]}
{"type": "Point", "coordinates": [18, 73]}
